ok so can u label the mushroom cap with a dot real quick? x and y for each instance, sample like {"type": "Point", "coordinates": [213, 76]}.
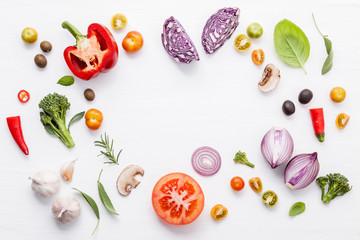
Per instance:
{"type": "Point", "coordinates": [127, 181]}
{"type": "Point", "coordinates": [270, 78]}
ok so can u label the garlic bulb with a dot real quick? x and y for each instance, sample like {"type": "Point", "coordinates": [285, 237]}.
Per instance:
{"type": "Point", "coordinates": [66, 209]}
{"type": "Point", "coordinates": [46, 183]}
{"type": "Point", "coordinates": [67, 170]}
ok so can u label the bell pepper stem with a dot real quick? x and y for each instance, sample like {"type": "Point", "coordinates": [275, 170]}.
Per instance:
{"type": "Point", "coordinates": [73, 30]}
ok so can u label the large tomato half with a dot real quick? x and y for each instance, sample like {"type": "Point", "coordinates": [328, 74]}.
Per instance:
{"type": "Point", "coordinates": [177, 199]}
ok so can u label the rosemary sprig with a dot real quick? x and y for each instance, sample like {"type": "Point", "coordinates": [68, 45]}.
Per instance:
{"type": "Point", "coordinates": [109, 153]}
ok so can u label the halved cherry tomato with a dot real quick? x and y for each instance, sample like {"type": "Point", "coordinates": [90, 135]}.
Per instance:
{"type": "Point", "coordinates": [269, 198]}
{"type": "Point", "coordinates": [118, 21]}
{"type": "Point", "coordinates": [256, 184]}
{"type": "Point", "coordinates": [93, 119]}
{"type": "Point", "coordinates": [177, 199]}
{"type": "Point", "coordinates": [237, 183]}
{"type": "Point", "coordinates": [219, 212]}
{"type": "Point", "coordinates": [342, 120]}
{"type": "Point", "coordinates": [258, 56]}
{"type": "Point", "coordinates": [242, 43]}
{"type": "Point", "coordinates": [132, 42]}
{"type": "Point", "coordinates": [23, 96]}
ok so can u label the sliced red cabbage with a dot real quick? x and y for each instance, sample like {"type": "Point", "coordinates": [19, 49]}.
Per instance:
{"type": "Point", "coordinates": [177, 43]}
{"type": "Point", "coordinates": [218, 28]}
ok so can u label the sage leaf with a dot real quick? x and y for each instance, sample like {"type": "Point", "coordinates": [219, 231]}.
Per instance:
{"type": "Point", "coordinates": [93, 205]}
{"type": "Point", "coordinates": [291, 44]}
{"type": "Point", "coordinates": [75, 118]}
{"type": "Point", "coordinates": [47, 127]}
{"type": "Point", "coordinates": [328, 45]}
{"type": "Point", "coordinates": [66, 81]}
{"type": "Point", "coordinates": [104, 197]}
{"type": "Point", "coordinates": [297, 208]}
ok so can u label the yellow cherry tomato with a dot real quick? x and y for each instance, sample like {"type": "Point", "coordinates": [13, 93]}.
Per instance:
{"type": "Point", "coordinates": [219, 212]}
{"type": "Point", "coordinates": [29, 35]}
{"type": "Point", "coordinates": [242, 43]}
{"type": "Point", "coordinates": [338, 94]}
{"type": "Point", "coordinates": [93, 119]}
{"type": "Point", "coordinates": [342, 120]}
{"type": "Point", "coordinates": [118, 21]}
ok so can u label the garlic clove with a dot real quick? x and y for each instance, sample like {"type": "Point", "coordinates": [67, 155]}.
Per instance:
{"type": "Point", "coordinates": [67, 170]}
{"type": "Point", "coordinates": [46, 183]}
{"type": "Point", "coordinates": [66, 209]}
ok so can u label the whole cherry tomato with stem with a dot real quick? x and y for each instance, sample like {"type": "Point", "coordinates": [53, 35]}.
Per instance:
{"type": "Point", "coordinates": [132, 42]}
{"type": "Point", "coordinates": [93, 119]}
{"type": "Point", "coordinates": [338, 94]}
{"type": "Point", "coordinates": [237, 183]}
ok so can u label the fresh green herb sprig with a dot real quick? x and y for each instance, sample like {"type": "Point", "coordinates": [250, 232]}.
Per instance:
{"type": "Point", "coordinates": [109, 153]}
{"type": "Point", "coordinates": [329, 60]}
{"type": "Point", "coordinates": [240, 157]}
{"type": "Point", "coordinates": [105, 197]}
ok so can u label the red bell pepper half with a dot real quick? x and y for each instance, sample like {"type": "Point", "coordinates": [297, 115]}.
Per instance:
{"type": "Point", "coordinates": [317, 117]}
{"type": "Point", "coordinates": [14, 125]}
{"type": "Point", "coordinates": [94, 53]}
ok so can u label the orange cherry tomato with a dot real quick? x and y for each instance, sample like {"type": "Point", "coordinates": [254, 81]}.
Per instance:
{"type": "Point", "coordinates": [342, 120]}
{"type": "Point", "coordinates": [338, 94]}
{"type": "Point", "coordinates": [237, 183]}
{"type": "Point", "coordinates": [23, 96]}
{"type": "Point", "coordinates": [256, 184]}
{"type": "Point", "coordinates": [132, 42]}
{"type": "Point", "coordinates": [219, 212]}
{"type": "Point", "coordinates": [258, 56]}
{"type": "Point", "coordinates": [93, 119]}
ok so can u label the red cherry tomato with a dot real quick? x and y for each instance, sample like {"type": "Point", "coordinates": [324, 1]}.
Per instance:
{"type": "Point", "coordinates": [177, 199]}
{"type": "Point", "coordinates": [237, 183]}
{"type": "Point", "coordinates": [132, 42]}
{"type": "Point", "coordinates": [23, 96]}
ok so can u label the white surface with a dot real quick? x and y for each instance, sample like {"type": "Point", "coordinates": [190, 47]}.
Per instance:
{"type": "Point", "coordinates": [159, 112]}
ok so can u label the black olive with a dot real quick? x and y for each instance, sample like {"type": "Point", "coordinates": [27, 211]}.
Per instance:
{"type": "Point", "coordinates": [305, 96]}
{"type": "Point", "coordinates": [45, 46]}
{"type": "Point", "coordinates": [89, 94]}
{"type": "Point", "coordinates": [288, 107]}
{"type": "Point", "coordinates": [40, 60]}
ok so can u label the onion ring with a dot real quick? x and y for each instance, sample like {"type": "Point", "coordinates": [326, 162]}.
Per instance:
{"type": "Point", "coordinates": [206, 161]}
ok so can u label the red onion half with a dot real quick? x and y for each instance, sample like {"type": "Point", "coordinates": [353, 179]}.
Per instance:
{"type": "Point", "coordinates": [277, 146]}
{"type": "Point", "coordinates": [206, 161]}
{"type": "Point", "coordinates": [301, 170]}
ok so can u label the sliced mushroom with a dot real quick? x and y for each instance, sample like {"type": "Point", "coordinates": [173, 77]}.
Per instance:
{"type": "Point", "coordinates": [126, 180]}
{"type": "Point", "coordinates": [270, 78]}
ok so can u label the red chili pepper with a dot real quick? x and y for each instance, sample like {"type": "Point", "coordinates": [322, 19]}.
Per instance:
{"type": "Point", "coordinates": [97, 52]}
{"type": "Point", "coordinates": [317, 117]}
{"type": "Point", "coordinates": [14, 125]}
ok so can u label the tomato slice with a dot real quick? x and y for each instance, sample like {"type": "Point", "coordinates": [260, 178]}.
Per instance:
{"type": "Point", "coordinates": [118, 21]}
{"type": "Point", "coordinates": [269, 198]}
{"type": "Point", "coordinates": [342, 120]}
{"type": "Point", "coordinates": [256, 184]}
{"type": "Point", "coordinates": [177, 199]}
{"type": "Point", "coordinates": [242, 43]}
{"type": "Point", "coordinates": [23, 96]}
{"type": "Point", "coordinates": [258, 56]}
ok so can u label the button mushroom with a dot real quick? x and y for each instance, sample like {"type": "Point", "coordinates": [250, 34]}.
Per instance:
{"type": "Point", "coordinates": [126, 180]}
{"type": "Point", "coordinates": [270, 78]}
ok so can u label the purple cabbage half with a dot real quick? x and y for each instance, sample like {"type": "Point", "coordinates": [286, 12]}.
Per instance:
{"type": "Point", "coordinates": [177, 43]}
{"type": "Point", "coordinates": [218, 28]}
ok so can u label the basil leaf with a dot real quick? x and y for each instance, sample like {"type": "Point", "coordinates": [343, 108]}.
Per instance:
{"type": "Point", "coordinates": [93, 205]}
{"type": "Point", "coordinates": [104, 197]}
{"type": "Point", "coordinates": [291, 44]}
{"type": "Point", "coordinates": [297, 208]}
{"type": "Point", "coordinates": [75, 118]}
{"type": "Point", "coordinates": [66, 81]}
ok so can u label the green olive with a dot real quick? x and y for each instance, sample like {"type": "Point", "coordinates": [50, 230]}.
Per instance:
{"type": "Point", "coordinates": [40, 60]}
{"type": "Point", "coordinates": [89, 94]}
{"type": "Point", "coordinates": [255, 30]}
{"type": "Point", "coordinates": [46, 46]}
{"type": "Point", "coordinates": [29, 35]}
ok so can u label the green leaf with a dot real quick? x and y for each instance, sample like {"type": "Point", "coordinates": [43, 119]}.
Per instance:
{"type": "Point", "coordinates": [66, 81]}
{"type": "Point", "coordinates": [104, 197]}
{"type": "Point", "coordinates": [75, 118]}
{"type": "Point", "coordinates": [297, 208]}
{"type": "Point", "coordinates": [93, 205]}
{"type": "Point", "coordinates": [328, 45]}
{"type": "Point", "coordinates": [291, 44]}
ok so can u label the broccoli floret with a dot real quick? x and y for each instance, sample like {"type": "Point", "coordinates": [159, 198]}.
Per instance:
{"type": "Point", "coordinates": [240, 157]}
{"type": "Point", "coordinates": [337, 186]}
{"type": "Point", "coordinates": [53, 117]}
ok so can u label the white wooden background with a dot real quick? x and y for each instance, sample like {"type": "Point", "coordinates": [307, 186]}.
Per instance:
{"type": "Point", "coordinates": [159, 112]}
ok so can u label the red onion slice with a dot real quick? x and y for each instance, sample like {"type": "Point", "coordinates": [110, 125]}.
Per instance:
{"type": "Point", "coordinates": [206, 161]}
{"type": "Point", "coordinates": [301, 170]}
